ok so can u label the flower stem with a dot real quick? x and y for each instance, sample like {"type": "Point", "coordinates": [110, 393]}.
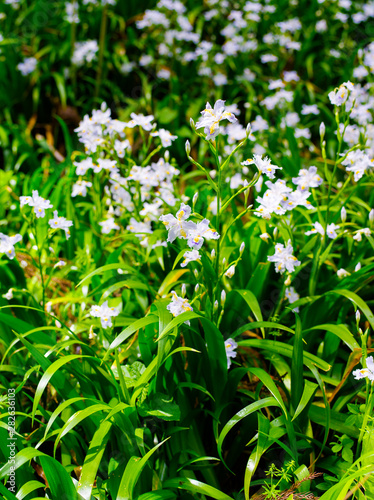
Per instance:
{"type": "Point", "coordinates": [103, 27]}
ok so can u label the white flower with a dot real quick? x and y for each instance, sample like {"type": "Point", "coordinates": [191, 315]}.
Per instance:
{"type": "Point", "coordinates": [107, 225]}
{"type": "Point", "coordinates": [27, 66]}
{"type": "Point", "coordinates": [264, 165]}
{"type": "Point", "coordinates": [367, 372]}
{"type": "Point", "coordinates": [165, 136]}
{"type": "Point", "coordinates": [297, 198]}
{"type": "Point", "coordinates": [318, 228]}
{"type": "Point", "coordinates": [141, 121]}
{"type": "Point", "coordinates": [84, 52]}
{"type": "Point", "coordinates": [190, 257]}
{"type": "Point", "coordinates": [358, 236]}
{"type": "Point", "coordinates": [9, 294]}
{"type": "Point", "coordinates": [342, 273]}
{"type": "Point", "coordinates": [60, 263]}
{"type": "Point", "coordinates": [120, 147]}
{"type": "Point", "coordinates": [80, 188]}
{"type": "Point", "coordinates": [283, 258]}
{"type": "Point", "coordinates": [105, 313]}
{"type": "Point", "coordinates": [178, 226]}
{"type": "Point", "coordinates": [357, 161]}
{"type": "Point", "coordinates": [340, 94]}
{"type": "Point", "coordinates": [211, 118]}
{"type": "Point", "coordinates": [178, 305]}
{"type": "Point", "coordinates": [310, 109]}
{"type": "Point", "coordinates": [292, 296]}
{"type": "Point", "coordinates": [36, 201]}
{"type": "Point", "coordinates": [83, 166]}
{"type": "Point", "coordinates": [230, 346]}
{"type": "Point", "coordinates": [200, 231]}
{"type": "Point", "coordinates": [230, 271]}
{"type": "Point", "coordinates": [139, 228]}
{"type": "Point", "coordinates": [307, 178]}
{"type": "Point", "coordinates": [7, 244]}
{"type": "Point", "coordinates": [60, 223]}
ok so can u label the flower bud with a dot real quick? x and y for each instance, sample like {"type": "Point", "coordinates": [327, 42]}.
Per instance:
{"type": "Point", "coordinates": [241, 249]}
{"type": "Point", "coordinates": [213, 253]}
{"type": "Point", "coordinates": [223, 298]}
{"type": "Point", "coordinates": [288, 280]}
{"type": "Point", "coordinates": [322, 130]}
{"type": "Point", "coordinates": [343, 214]}
{"type": "Point", "coordinates": [248, 130]}
{"type": "Point", "coordinates": [197, 286]}
{"type": "Point", "coordinates": [188, 147]}
{"type": "Point", "coordinates": [195, 196]}
{"type": "Point", "coordinates": [371, 216]}
{"type": "Point", "coordinates": [275, 232]}
{"type": "Point", "coordinates": [215, 306]}
{"type": "Point", "coordinates": [196, 273]}
{"type": "Point", "coordinates": [224, 261]}
{"type": "Point", "coordinates": [358, 267]}
{"type": "Point", "coordinates": [183, 290]}
{"type": "Point", "coordinates": [192, 123]}
{"type": "Point", "coordinates": [358, 316]}
{"type": "Point", "coordinates": [265, 236]}
{"type": "Point", "coordinates": [230, 272]}
{"type": "Point", "coordinates": [167, 155]}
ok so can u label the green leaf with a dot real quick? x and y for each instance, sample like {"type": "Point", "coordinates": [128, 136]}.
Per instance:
{"type": "Point", "coordinates": [340, 331]}
{"type": "Point", "coordinates": [186, 316]}
{"type": "Point", "coordinates": [58, 479]}
{"type": "Point", "coordinates": [29, 487]}
{"type": "Point", "coordinates": [186, 483]}
{"type": "Point", "coordinates": [360, 303]}
{"type": "Point", "coordinates": [253, 304]}
{"type": "Point", "coordinates": [51, 370]}
{"type": "Point", "coordinates": [93, 459]}
{"type": "Point", "coordinates": [131, 373]}
{"type": "Point", "coordinates": [160, 406]}
{"type": "Point", "coordinates": [77, 418]}
{"type": "Point", "coordinates": [297, 379]}
{"type": "Point", "coordinates": [308, 392]}
{"type": "Point", "coordinates": [125, 334]}
{"type": "Point", "coordinates": [285, 350]}
{"type": "Point", "coordinates": [263, 403]}
{"type": "Point", "coordinates": [104, 269]}
{"type": "Point", "coordinates": [21, 458]}
{"type": "Point", "coordinates": [132, 472]}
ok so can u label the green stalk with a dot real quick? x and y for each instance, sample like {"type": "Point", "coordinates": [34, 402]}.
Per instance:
{"type": "Point", "coordinates": [39, 261]}
{"type": "Point", "coordinates": [103, 28]}
{"type": "Point", "coordinates": [368, 411]}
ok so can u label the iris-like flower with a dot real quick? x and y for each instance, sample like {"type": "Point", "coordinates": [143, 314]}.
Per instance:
{"type": "Point", "coordinates": [178, 305]}
{"type": "Point", "coordinates": [307, 178]}
{"type": "Point", "coordinates": [200, 231]}
{"type": "Point", "coordinates": [141, 121]}
{"type": "Point", "coordinates": [107, 225]}
{"type": "Point", "coordinates": [367, 372]}
{"type": "Point", "coordinates": [230, 346]}
{"type": "Point", "coordinates": [7, 244]}
{"type": "Point", "coordinates": [190, 257]}
{"type": "Point", "coordinates": [105, 313]}
{"type": "Point", "coordinates": [211, 118]}
{"type": "Point", "coordinates": [264, 165]}
{"type": "Point", "coordinates": [178, 226]}
{"type": "Point", "coordinates": [165, 136]}
{"type": "Point", "coordinates": [60, 223]}
{"type": "Point", "coordinates": [340, 94]}
{"type": "Point", "coordinates": [283, 258]}
{"type": "Point", "coordinates": [318, 228]}
{"type": "Point", "coordinates": [36, 201]}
